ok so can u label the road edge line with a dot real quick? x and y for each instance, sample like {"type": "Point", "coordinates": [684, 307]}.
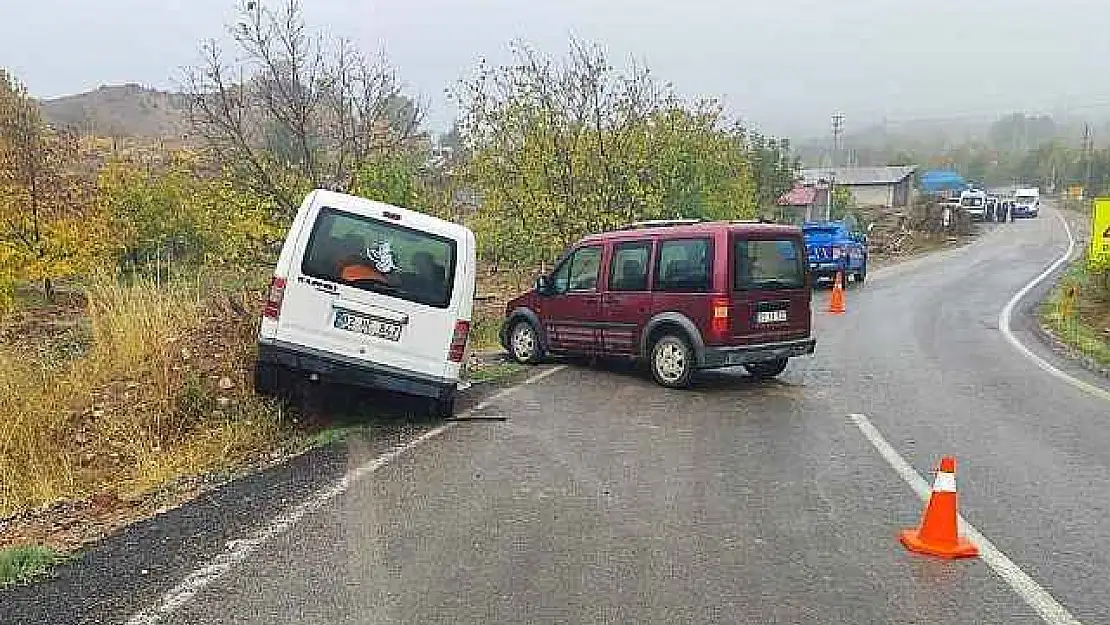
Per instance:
{"type": "Point", "coordinates": [1007, 313]}
{"type": "Point", "coordinates": [1035, 596]}
{"type": "Point", "coordinates": [238, 550]}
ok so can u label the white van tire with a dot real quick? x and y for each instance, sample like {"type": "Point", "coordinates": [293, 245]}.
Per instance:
{"type": "Point", "coordinates": [524, 343]}
{"type": "Point", "coordinates": [443, 408]}
{"type": "Point", "coordinates": [268, 379]}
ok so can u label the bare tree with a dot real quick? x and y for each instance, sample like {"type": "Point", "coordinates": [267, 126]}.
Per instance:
{"type": "Point", "coordinates": [296, 109]}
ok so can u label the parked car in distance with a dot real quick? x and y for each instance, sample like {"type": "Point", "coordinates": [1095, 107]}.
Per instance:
{"type": "Point", "coordinates": [372, 295]}
{"type": "Point", "coordinates": [680, 295]}
{"type": "Point", "coordinates": [1027, 202]}
{"type": "Point", "coordinates": [833, 247]}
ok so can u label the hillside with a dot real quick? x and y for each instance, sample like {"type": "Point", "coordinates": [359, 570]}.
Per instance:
{"type": "Point", "coordinates": [121, 110]}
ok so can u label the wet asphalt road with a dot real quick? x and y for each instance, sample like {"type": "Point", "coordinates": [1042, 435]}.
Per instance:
{"type": "Point", "coordinates": [606, 499]}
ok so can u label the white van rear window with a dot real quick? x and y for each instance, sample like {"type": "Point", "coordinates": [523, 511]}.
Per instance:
{"type": "Point", "coordinates": [375, 255]}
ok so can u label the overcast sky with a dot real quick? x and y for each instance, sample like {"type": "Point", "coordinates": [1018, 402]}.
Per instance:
{"type": "Point", "coordinates": [784, 64]}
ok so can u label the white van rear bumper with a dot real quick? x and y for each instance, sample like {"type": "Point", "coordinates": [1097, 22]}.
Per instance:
{"type": "Point", "coordinates": [342, 370]}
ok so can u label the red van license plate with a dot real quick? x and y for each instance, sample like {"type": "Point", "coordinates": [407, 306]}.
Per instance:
{"type": "Point", "coordinates": [365, 325]}
{"type": "Point", "coordinates": [770, 316]}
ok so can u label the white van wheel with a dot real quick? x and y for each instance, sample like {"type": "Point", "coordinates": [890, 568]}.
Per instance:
{"type": "Point", "coordinates": [524, 343]}
{"type": "Point", "coordinates": [444, 407]}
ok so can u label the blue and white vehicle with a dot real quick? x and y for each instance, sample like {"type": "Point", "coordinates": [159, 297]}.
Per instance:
{"type": "Point", "coordinates": [832, 247]}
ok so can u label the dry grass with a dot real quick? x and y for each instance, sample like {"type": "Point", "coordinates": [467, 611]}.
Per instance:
{"type": "Point", "coordinates": [161, 391]}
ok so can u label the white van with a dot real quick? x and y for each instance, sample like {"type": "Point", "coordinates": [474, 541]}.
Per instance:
{"type": "Point", "coordinates": [371, 295]}
{"type": "Point", "coordinates": [1027, 202]}
{"type": "Point", "coordinates": [974, 202]}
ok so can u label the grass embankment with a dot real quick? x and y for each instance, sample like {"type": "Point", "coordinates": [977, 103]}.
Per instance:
{"type": "Point", "coordinates": [132, 387]}
{"type": "Point", "coordinates": [1077, 311]}
{"type": "Point", "coordinates": [160, 391]}
{"type": "Point", "coordinates": [108, 399]}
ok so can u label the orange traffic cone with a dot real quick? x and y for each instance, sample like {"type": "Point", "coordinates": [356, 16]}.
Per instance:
{"type": "Point", "coordinates": [836, 303]}
{"type": "Point", "coordinates": [938, 534]}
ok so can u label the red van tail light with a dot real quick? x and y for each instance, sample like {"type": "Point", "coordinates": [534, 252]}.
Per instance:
{"type": "Point", "coordinates": [458, 340]}
{"type": "Point", "coordinates": [719, 319]}
{"type": "Point", "coordinates": [274, 298]}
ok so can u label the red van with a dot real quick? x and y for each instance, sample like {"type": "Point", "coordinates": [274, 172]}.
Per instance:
{"type": "Point", "coordinates": [682, 295]}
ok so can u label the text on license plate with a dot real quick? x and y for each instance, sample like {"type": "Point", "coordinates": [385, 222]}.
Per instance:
{"type": "Point", "coordinates": [770, 316]}
{"type": "Point", "coordinates": [365, 325]}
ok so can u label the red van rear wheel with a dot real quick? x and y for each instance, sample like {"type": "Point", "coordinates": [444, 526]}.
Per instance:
{"type": "Point", "coordinates": [672, 361]}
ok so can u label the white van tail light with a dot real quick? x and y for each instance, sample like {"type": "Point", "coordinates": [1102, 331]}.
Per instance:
{"type": "Point", "coordinates": [274, 298]}
{"type": "Point", "coordinates": [458, 340]}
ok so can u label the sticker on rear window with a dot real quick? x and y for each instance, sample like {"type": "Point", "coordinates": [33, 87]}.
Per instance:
{"type": "Point", "coordinates": [382, 257]}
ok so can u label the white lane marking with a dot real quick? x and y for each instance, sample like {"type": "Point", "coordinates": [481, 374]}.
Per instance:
{"type": "Point", "coordinates": [1026, 587]}
{"type": "Point", "coordinates": [1008, 312]}
{"type": "Point", "coordinates": [236, 551]}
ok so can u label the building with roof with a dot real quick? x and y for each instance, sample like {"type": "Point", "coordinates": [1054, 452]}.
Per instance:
{"type": "Point", "coordinates": [888, 187]}
{"type": "Point", "coordinates": [801, 204]}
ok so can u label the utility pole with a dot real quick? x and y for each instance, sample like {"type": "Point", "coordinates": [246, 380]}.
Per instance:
{"type": "Point", "coordinates": [1088, 151]}
{"type": "Point", "coordinates": [838, 130]}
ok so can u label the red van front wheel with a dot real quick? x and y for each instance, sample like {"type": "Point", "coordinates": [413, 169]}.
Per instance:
{"type": "Point", "coordinates": [524, 343]}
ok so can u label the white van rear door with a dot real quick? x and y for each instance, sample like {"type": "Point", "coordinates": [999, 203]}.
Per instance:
{"type": "Point", "coordinates": [373, 291]}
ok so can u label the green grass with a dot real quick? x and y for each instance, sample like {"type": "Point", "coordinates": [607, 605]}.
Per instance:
{"type": "Point", "coordinates": [333, 434]}
{"type": "Point", "coordinates": [1073, 329]}
{"type": "Point", "coordinates": [496, 371]}
{"type": "Point", "coordinates": [23, 564]}
{"type": "Point", "coordinates": [484, 335]}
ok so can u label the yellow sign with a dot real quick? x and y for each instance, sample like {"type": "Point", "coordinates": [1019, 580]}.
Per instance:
{"type": "Point", "coordinates": [1100, 232]}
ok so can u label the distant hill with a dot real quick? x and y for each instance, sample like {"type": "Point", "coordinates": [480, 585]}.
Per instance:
{"type": "Point", "coordinates": [121, 110]}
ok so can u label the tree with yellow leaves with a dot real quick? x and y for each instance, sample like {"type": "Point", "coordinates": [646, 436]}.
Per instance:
{"type": "Point", "coordinates": [49, 227]}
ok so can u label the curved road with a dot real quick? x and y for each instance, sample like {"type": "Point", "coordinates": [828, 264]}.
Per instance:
{"type": "Point", "coordinates": [606, 499]}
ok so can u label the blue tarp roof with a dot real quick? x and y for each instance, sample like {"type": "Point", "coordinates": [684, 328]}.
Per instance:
{"type": "Point", "coordinates": [940, 180]}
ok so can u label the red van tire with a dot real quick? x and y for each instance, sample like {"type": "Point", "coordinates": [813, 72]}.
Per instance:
{"type": "Point", "coordinates": [766, 370]}
{"type": "Point", "coordinates": [672, 361]}
{"type": "Point", "coordinates": [524, 343]}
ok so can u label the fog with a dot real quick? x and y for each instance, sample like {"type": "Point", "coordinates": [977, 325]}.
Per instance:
{"type": "Point", "coordinates": [785, 65]}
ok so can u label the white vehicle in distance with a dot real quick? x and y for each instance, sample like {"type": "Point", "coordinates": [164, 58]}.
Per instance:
{"type": "Point", "coordinates": [974, 202]}
{"type": "Point", "coordinates": [372, 295]}
{"type": "Point", "coordinates": [1027, 202]}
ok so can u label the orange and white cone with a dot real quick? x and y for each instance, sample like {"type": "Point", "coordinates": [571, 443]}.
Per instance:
{"type": "Point", "coordinates": [938, 534]}
{"type": "Point", "coordinates": [836, 302]}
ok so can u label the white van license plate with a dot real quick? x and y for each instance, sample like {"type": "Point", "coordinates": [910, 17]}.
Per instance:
{"type": "Point", "coordinates": [365, 325]}
{"type": "Point", "coordinates": [770, 316]}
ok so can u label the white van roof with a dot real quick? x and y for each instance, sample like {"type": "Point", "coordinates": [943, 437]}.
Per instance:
{"type": "Point", "coordinates": [410, 218]}
{"type": "Point", "coordinates": [1028, 191]}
